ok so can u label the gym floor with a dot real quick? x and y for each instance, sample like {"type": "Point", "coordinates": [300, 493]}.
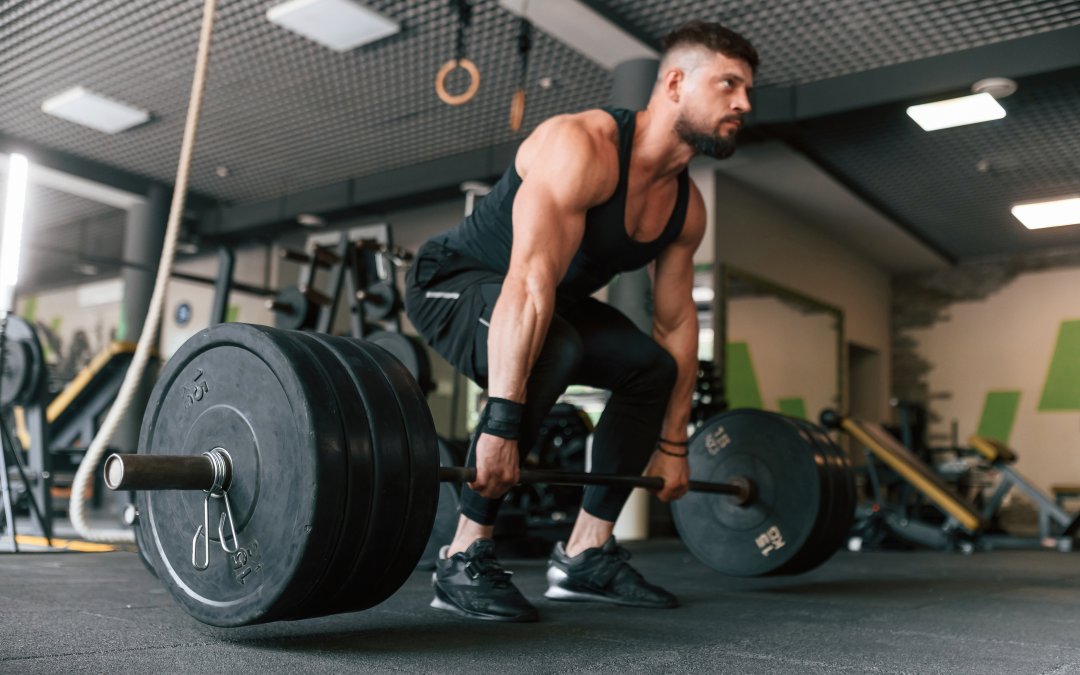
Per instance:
{"type": "Point", "coordinates": [884, 612]}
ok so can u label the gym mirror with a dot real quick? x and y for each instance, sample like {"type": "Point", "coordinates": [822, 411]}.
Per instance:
{"type": "Point", "coordinates": [783, 350]}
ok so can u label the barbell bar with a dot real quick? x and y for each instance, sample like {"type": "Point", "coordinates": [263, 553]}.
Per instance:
{"type": "Point", "coordinates": [212, 471]}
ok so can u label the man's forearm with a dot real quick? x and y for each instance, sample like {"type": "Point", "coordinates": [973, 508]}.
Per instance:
{"type": "Point", "coordinates": [519, 324]}
{"type": "Point", "coordinates": [681, 342]}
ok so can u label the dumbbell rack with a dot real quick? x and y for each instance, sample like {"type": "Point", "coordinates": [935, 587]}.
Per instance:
{"type": "Point", "coordinates": [362, 268]}
{"type": "Point", "coordinates": [372, 289]}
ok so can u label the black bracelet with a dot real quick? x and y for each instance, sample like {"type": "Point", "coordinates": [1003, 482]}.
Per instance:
{"type": "Point", "coordinates": [672, 454]}
{"type": "Point", "coordinates": [502, 418]}
{"type": "Point", "coordinates": [679, 443]}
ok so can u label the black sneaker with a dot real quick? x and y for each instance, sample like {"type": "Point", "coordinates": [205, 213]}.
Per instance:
{"type": "Point", "coordinates": [602, 575]}
{"type": "Point", "coordinates": [475, 585]}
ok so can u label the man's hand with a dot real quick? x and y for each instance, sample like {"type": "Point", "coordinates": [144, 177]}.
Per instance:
{"type": "Point", "coordinates": [496, 466]}
{"type": "Point", "coordinates": [674, 470]}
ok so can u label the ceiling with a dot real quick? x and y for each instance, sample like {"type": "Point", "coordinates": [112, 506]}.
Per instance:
{"type": "Point", "coordinates": [788, 178]}
{"type": "Point", "coordinates": [291, 120]}
{"type": "Point", "coordinates": [955, 186]}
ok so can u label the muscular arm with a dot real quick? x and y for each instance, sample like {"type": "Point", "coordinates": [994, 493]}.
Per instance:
{"type": "Point", "coordinates": [561, 184]}
{"type": "Point", "coordinates": [675, 328]}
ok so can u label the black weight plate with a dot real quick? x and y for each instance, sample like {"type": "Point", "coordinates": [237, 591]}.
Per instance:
{"type": "Point", "coordinates": [843, 515]}
{"type": "Point", "coordinates": [302, 313]}
{"type": "Point", "coordinates": [381, 300]}
{"type": "Point", "coordinates": [828, 543]}
{"type": "Point", "coordinates": [412, 354]}
{"type": "Point", "coordinates": [141, 547]}
{"type": "Point", "coordinates": [15, 379]}
{"type": "Point", "coordinates": [22, 380]}
{"type": "Point", "coordinates": [763, 536]}
{"type": "Point", "coordinates": [815, 549]}
{"type": "Point", "coordinates": [424, 453]}
{"type": "Point", "coordinates": [388, 498]}
{"type": "Point", "coordinates": [361, 587]}
{"type": "Point", "coordinates": [359, 476]}
{"type": "Point", "coordinates": [243, 388]}
{"type": "Point", "coordinates": [446, 517]}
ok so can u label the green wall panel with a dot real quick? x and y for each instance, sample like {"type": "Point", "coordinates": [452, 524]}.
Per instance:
{"type": "Point", "coordinates": [30, 309]}
{"type": "Point", "coordinates": [741, 380]}
{"type": "Point", "coordinates": [999, 414]}
{"type": "Point", "coordinates": [795, 407]}
{"type": "Point", "coordinates": [1062, 388]}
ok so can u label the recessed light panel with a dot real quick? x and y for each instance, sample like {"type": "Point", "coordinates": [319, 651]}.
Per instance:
{"type": "Point", "coordinates": [956, 112]}
{"type": "Point", "coordinates": [341, 25]}
{"type": "Point", "coordinates": [95, 111]}
{"type": "Point", "coordinates": [1052, 213]}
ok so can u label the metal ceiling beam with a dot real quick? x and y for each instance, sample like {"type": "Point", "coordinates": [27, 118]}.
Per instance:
{"type": "Point", "coordinates": [90, 179]}
{"type": "Point", "coordinates": [586, 29]}
{"type": "Point", "coordinates": [914, 80]}
{"type": "Point", "coordinates": [94, 191]}
{"type": "Point", "coordinates": [357, 193]}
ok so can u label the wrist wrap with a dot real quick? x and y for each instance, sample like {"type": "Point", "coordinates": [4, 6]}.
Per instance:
{"type": "Point", "coordinates": [502, 418]}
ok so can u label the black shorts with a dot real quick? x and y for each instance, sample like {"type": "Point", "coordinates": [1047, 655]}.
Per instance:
{"type": "Point", "coordinates": [449, 299]}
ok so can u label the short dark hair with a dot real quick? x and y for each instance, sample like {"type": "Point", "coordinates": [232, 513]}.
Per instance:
{"type": "Point", "coordinates": [713, 37]}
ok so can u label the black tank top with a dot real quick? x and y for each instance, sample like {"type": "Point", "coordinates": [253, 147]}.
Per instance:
{"type": "Point", "coordinates": [606, 248]}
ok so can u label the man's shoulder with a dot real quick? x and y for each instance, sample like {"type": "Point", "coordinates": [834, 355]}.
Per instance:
{"type": "Point", "coordinates": [596, 126]}
{"type": "Point", "coordinates": [574, 143]}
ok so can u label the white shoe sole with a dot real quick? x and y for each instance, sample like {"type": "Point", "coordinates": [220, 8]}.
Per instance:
{"type": "Point", "coordinates": [556, 591]}
{"type": "Point", "coordinates": [443, 605]}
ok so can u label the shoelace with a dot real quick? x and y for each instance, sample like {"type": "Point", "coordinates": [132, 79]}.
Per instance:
{"type": "Point", "coordinates": [610, 565]}
{"type": "Point", "coordinates": [487, 566]}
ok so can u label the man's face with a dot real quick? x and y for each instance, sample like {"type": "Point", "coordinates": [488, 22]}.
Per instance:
{"type": "Point", "coordinates": [715, 97]}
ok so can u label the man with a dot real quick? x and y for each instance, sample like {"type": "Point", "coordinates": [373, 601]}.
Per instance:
{"type": "Point", "coordinates": [505, 297]}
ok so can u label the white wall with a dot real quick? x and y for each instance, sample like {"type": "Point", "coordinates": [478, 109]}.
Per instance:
{"type": "Point", "coordinates": [92, 309]}
{"type": "Point", "coordinates": [804, 367]}
{"type": "Point", "coordinates": [1005, 343]}
{"type": "Point", "coordinates": [772, 242]}
{"type": "Point", "coordinates": [250, 268]}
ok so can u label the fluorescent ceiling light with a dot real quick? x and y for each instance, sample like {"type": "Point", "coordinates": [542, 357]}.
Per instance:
{"type": "Point", "coordinates": [80, 187]}
{"type": "Point", "coordinates": [1052, 213]}
{"type": "Point", "coordinates": [11, 240]}
{"type": "Point", "coordinates": [955, 112]}
{"type": "Point", "coordinates": [582, 29]}
{"type": "Point", "coordinates": [341, 25]}
{"type": "Point", "coordinates": [92, 110]}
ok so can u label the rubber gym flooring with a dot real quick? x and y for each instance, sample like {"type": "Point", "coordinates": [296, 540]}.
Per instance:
{"type": "Point", "coordinates": [885, 612]}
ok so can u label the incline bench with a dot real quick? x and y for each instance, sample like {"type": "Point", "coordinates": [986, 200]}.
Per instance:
{"type": "Point", "coordinates": [1054, 521]}
{"type": "Point", "coordinates": [964, 526]}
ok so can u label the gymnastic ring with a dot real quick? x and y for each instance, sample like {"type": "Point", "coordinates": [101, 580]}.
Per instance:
{"type": "Point", "coordinates": [440, 81]}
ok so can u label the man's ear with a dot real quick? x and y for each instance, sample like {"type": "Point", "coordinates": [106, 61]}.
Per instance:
{"type": "Point", "coordinates": [672, 83]}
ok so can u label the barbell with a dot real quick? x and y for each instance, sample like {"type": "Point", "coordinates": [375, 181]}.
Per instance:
{"type": "Point", "coordinates": [318, 459]}
{"type": "Point", "coordinates": [212, 473]}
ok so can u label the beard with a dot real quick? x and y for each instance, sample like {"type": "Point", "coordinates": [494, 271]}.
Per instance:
{"type": "Point", "coordinates": [705, 143]}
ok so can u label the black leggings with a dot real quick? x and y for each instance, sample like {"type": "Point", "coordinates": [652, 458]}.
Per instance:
{"type": "Point", "coordinates": [589, 343]}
